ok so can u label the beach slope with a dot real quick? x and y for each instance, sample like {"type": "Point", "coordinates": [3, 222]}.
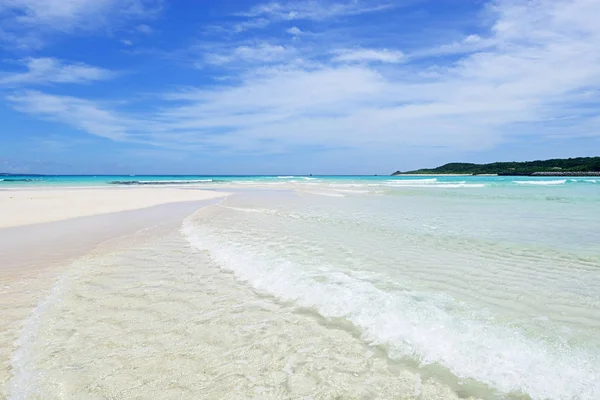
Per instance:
{"type": "Point", "coordinates": [32, 206]}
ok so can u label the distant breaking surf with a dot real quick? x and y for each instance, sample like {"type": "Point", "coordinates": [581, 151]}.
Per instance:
{"type": "Point", "coordinates": [170, 182]}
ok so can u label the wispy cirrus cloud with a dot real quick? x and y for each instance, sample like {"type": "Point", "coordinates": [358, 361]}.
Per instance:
{"type": "Point", "coordinates": [313, 10]}
{"type": "Point", "coordinates": [79, 113]}
{"type": "Point", "coordinates": [369, 55]}
{"type": "Point", "coordinates": [46, 70]}
{"type": "Point", "coordinates": [255, 53]}
{"type": "Point", "coordinates": [250, 24]}
{"type": "Point", "coordinates": [469, 44]}
{"type": "Point", "coordinates": [533, 68]}
{"type": "Point", "coordinates": [264, 14]}
{"type": "Point", "coordinates": [145, 29]}
{"type": "Point", "coordinates": [27, 23]}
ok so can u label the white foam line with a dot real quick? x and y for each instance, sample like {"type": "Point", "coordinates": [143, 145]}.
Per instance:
{"type": "Point", "coordinates": [555, 182]}
{"type": "Point", "coordinates": [467, 342]}
{"type": "Point", "coordinates": [441, 185]}
{"type": "Point", "coordinates": [23, 384]}
{"type": "Point", "coordinates": [409, 181]}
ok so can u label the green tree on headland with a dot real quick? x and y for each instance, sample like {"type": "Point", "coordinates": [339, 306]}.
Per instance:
{"type": "Point", "coordinates": [555, 166]}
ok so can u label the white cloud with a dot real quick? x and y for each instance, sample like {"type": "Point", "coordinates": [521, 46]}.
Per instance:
{"type": "Point", "coordinates": [250, 24]}
{"type": "Point", "coordinates": [145, 29]}
{"type": "Point", "coordinates": [366, 55]}
{"type": "Point", "coordinates": [65, 13]}
{"type": "Point", "coordinates": [82, 114]}
{"type": "Point", "coordinates": [312, 10]}
{"type": "Point", "coordinates": [27, 23]}
{"type": "Point", "coordinates": [468, 44]}
{"type": "Point", "coordinates": [260, 53]}
{"type": "Point", "coordinates": [295, 31]}
{"type": "Point", "coordinates": [127, 42]}
{"type": "Point", "coordinates": [540, 72]}
{"type": "Point", "coordinates": [50, 70]}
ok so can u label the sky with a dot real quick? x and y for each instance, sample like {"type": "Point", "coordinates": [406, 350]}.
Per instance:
{"type": "Point", "coordinates": [294, 87]}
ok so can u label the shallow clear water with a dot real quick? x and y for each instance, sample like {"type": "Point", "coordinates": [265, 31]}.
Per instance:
{"type": "Point", "coordinates": [339, 183]}
{"type": "Point", "coordinates": [355, 288]}
{"type": "Point", "coordinates": [162, 321]}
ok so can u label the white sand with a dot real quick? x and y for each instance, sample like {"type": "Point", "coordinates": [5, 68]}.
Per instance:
{"type": "Point", "coordinates": [24, 207]}
{"type": "Point", "coordinates": [34, 256]}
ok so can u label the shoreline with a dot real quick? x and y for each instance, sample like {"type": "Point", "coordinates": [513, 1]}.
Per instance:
{"type": "Point", "coordinates": [33, 206]}
{"type": "Point", "coordinates": [35, 255]}
{"type": "Point", "coordinates": [225, 294]}
{"type": "Point", "coordinates": [590, 174]}
{"type": "Point", "coordinates": [412, 175]}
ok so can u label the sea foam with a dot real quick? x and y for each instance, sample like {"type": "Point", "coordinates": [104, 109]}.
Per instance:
{"type": "Point", "coordinates": [165, 182]}
{"type": "Point", "coordinates": [433, 328]}
{"type": "Point", "coordinates": [550, 183]}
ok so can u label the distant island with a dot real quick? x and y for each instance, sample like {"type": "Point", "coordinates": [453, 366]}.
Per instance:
{"type": "Point", "coordinates": [582, 166]}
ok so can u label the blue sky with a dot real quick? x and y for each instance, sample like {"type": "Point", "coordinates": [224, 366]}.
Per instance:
{"type": "Point", "coordinates": [306, 86]}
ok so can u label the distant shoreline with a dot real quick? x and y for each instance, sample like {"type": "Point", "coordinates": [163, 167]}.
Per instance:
{"type": "Point", "coordinates": [439, 175]}
{"type": "Point", "coordinates": [581, 166]}
{"type": "Point", "coordinates": [537, 174]}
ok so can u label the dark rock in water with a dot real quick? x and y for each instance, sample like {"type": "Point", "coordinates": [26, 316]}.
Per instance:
{"type": "Point", "coordinates": [567, 173]}
{"type": "Point", "coordinates": [125, 183]}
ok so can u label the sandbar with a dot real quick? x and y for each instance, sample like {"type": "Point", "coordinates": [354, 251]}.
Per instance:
{"type": "Point", "coordinates": [20, 207]}
{"type": "Point", "coordinates": [43, 230]}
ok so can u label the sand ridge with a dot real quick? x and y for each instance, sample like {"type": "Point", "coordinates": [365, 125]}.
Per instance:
{"type": "Point", "coordinates": [32, 206]}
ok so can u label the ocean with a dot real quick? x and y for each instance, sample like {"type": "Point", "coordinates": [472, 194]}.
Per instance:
{"type": "Point", "coordinates": [325, 287]}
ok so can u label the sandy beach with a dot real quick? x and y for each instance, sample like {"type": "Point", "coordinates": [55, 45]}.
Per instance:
{"type": "Point", "coordinates": [34, 206]}
{"type": "Point", "coordinates": [43, 230]}
{"type": "Point", "coordinates": [301, 288]}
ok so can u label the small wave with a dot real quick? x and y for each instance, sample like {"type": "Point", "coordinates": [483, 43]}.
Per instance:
{"type": "Point", "coordinates": [429, 183]}
{"type": "Point", "coordinates": [410, 181]}
{"type": "Point", "coordinates": [306, 178]}
{"type": "Point", "coordinates": [26, 378]}
{"type": "Point", "coordinates": [412, 324]}
{"type": "Point", "coordinates": [449, 185]}
{"type": "Point", "coordinates": [170, 182]}
{"type": "Point", "coordinates": [584, 180]}
{"type": "Point", "coordinates": [548, 183]}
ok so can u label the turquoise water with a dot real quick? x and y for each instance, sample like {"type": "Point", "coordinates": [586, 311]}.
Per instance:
{"type": "Point", "coordinates": [442, 181]}
{"type": "Point", "coordinates": [425, 287]}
